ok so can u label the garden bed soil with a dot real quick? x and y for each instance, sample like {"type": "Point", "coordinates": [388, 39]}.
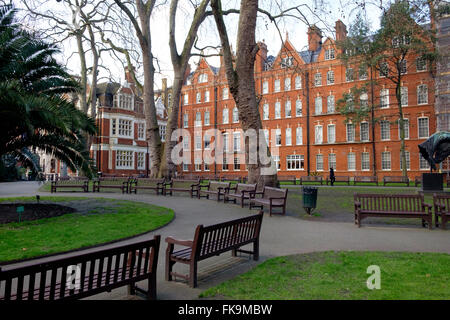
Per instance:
{"type": "Point", "coordinates": [32, 211]}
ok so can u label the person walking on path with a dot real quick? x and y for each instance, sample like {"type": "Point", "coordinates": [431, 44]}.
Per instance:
{"type": "Point", "coordinates": [332, 177]}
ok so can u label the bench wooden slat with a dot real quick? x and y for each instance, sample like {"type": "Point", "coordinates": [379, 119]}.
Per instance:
{"type": "Point", "coordinates": [212, 241]}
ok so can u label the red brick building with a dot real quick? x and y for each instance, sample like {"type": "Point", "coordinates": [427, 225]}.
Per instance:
{"type": "Point", "coordinates": [299, 91]}
{"type": "Point", "coordinates": [121, 147]}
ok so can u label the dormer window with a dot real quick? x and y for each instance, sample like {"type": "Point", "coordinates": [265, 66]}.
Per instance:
{"type": "Point", "coordinates": [329, 54]}
{"type": "Point", "coordinates": [404, 40]}
{"type": "Point", "coordinates": [202, 78]}
{"type": "Point", "coordinates": [287, 62]}
{"type": "Point", "coordinates": [125, 101]}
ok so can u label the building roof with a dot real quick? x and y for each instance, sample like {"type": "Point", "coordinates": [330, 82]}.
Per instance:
{"type": "Point", "coordinates": [310, 56]}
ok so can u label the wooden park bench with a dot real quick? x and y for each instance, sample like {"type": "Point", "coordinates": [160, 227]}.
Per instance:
{"type": "Point", "coordinates": [390, 205]}
{"type": "Point", "coordinates": [147, 184]}
{"type": "Point", "coordinates": [83, 274]}
{"type": "Point", "coordinates": [71, 183]}
{"type": "Point", "coordinates": [441, 209]}
{"type": "Point", "coordinates": [365, 179]}
{"type": "Point", "coordinates": [212, 241]}
{"type": "Point", "coordinates": [182, 185]}
{"type": "Point", "coordinates": [311, 179]}
{"type": "Point", "coordinates": [270, 197]}
{"type": "Point", "coordinates": [213, 187]}
{"type": "Point", "coordinates": [291, 179]}
{"type": "Point", "coordinates": [396, 179]}
{"type": "Point", "coordinates": [121, 183]}
{"type": "Point", "coordinates": [345, 179]}
{"type": "Point", "coordinates": [240, 191]}
{"type": "Point", "coordinates": [417, 181]}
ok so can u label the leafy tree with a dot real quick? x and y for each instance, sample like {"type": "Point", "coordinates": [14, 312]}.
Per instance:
{"type": "Point", "coordinates": [35, 111]}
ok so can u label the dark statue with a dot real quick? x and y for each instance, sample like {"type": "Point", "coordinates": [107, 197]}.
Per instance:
{"type": "Point", "coordinates": [436, 148]}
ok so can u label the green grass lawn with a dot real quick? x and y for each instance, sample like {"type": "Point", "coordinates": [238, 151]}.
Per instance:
{"type": "Point", "coordinates": [341, 275]}
{"type": "Point", "coordinates": [108, 220]}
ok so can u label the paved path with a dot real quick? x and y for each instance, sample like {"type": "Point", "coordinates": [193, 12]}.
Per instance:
{"type": "Point", "coordinates": [280, 235]}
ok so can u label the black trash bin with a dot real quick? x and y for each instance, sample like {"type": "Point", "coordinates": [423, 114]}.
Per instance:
{"type": "Point", "coordinates": [309, 198]}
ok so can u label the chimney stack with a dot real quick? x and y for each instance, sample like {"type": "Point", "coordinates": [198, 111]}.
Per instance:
{"type": "Point", "coordinates": [314, 38]}
{"type": "Point", "coordinates": [128, 75]}
{"type": "Point", "coordinates": [261, 57]}
{"type": "Point", "coordinates": [341, 30]}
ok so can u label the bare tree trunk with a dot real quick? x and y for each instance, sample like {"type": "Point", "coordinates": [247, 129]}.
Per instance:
{"type": "Point", "coordinates": [241, 77]}
{"type": "Point", "coordinates": [179, 63]}
{"type": "Point", "coordinates": [142, 28]}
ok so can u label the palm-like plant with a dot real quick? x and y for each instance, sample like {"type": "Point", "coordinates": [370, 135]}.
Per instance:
{"type": "Point", "coordinates": [35, 110]}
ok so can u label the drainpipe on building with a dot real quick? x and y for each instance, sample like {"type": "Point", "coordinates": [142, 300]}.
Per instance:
{"type": "Point", "coordinates": [215, 130]}
{"type": "Point", "coordinates": [307, 124]}
{"type": "Point", "coordinates": [372, 98]}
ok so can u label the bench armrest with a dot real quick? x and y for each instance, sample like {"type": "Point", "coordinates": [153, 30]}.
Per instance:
{"type": "Point", "coordinates": [254, 193]}
{"type": "Point", "coordinates": [357, 204]}
{"type": "Point", "coordinates": [186, 243]}
{"type": "Point", "coordinates": [200, 186]}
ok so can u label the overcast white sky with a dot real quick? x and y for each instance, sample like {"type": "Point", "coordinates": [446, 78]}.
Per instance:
{"type": "Point", "coordinates": [331, 11]}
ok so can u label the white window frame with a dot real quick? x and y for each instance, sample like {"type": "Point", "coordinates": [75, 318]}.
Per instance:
{"type": "Point", "coordinates": [298, 108]}
{"type": "Point", "coordinates": [319, 162]}
{"type": "Point", "coordinates": [294, 162]}
{"type": "Point", "coordinates": [330, 77]}
{"type": "Point", "coordinates": [287, 109]}
{"type": "Point", "coordinates": [419, 128]}
{"type": "Point", "coordinates": [386, 159]}
{"type": "Point", "coordinates": [422, 97]}
{"type": "Point", "coordinates": [385, 130]}
{"type": "Point", "coordinates": [364, 132]}
{"type": "Point", "coordinates": [288, 137]}
{"type": "Point", "coordinates": [351, 161]}
{"type": "Point", "coordinates": [277, 85]}
{"type": "Point", "coordinates": [299, 136]}
{"type": "Point", "coordinates": [124, 159]}
{"type": "Point", "coordinates": [318, 134]}
{"type": "Point", "coordinates": [298, 82]}
{"type": "Point", "coordinates": [365, 161]}
{"type": "Point", "coordinates": [265, 111]}
{"type": "Point", "coordinates": [331, 134]}
{"type": "Point", "coordinates": [350, 132]}
{"type": "Point", "coordinates": [287, 84]}
{"type": "Point", "coordinates": [278, 110]}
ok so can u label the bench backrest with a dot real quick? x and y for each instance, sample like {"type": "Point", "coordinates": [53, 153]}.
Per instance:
{"type": "Point", "coordinates": [215, 239]}
{"type": "Point", "coordinates": [286, 178]}
{"type": "Point", "coordinates": [311, 178]}
{"type": "Point", "coordinates": [365, 179]}
{"type": "Point", "coordinates": [183, 182]}
{"type": "Point", "coordinates": [71, 181]}
{"type": "Point", "coordinates": [148, 181]}
{"type": "Point", "coordinates": [442, 200]}
{"type": "Point", "coordinates": [395, 179]}
{"type": "Point", "coordinates": [215, 185]}
{"type": "Point", "coordinates": [113, 180]}
{"type": "Point", "coordinates": [243, 186]}
{"type": "Point", "coordinates": [90, 273]}
{"type": "Point", "coordinates": [340, 178]}
{"type": "Point", "coordinates": [270, 192]}
{"type": "Point", "coordinates": [390, 202]}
